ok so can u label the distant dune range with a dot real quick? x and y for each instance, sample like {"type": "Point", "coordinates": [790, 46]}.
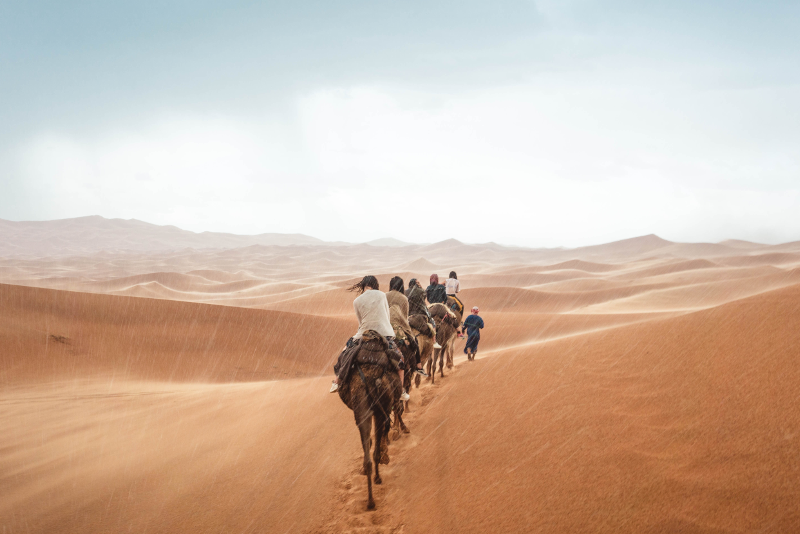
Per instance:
{"type": "Point", "coordinates": [153, 379]}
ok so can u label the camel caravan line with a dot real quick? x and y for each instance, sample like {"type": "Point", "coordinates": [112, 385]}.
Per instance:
{"type": "Point", "coordinates": [401, 336]}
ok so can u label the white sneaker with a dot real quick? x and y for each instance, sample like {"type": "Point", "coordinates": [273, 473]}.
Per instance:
{"type": "Point", "coordinates": [334, 387]}
{"type": "Point", "coordinates": [436, 345]}
{"type": "Point", "coordinates": [404, 396]}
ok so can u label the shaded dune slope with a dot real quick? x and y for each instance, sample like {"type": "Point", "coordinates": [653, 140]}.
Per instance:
{"type": "Point", "coordinates": [50, 334]}
{"type": "Point", "coordinates": [687, 424]}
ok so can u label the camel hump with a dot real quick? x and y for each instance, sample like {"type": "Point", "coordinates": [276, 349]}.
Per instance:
{"type": "Point", "coordinates": [438, 309]}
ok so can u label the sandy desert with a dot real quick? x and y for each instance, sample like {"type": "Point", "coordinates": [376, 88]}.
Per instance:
{"type": "Point", "coordinates": [154, 381]}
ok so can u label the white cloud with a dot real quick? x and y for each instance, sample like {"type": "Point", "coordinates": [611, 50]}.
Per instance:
{"type": "Point", "coordinates": [543, 164]}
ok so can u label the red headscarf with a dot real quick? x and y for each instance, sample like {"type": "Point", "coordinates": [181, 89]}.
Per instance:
{"type": "Point", "coordinates": [434, 279]}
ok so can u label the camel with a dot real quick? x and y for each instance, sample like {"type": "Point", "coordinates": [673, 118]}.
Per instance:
{"type": "Point", "coordinates": [425, 341]}
{"type": "Point", "coordinates": [446, 325]}
{"type": "Point", "coordinates": [410, 355]}
{"type": "Point", "coordinates": [450, 347]}
{"type": "Point", "coordinates": [372, 392]}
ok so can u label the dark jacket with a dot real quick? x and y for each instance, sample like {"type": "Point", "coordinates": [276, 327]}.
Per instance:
{"type": "Point", "coordinates": [474, 324]}
{"type": "Point", "coordinates": [436, 293]}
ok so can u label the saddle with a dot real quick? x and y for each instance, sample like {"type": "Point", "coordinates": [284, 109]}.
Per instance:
{"type": "Point", "coordinates": [371, 349]}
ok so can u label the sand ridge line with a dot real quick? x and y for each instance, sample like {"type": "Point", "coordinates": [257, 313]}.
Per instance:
{"type": "Point", "coordinates": [491, 352]}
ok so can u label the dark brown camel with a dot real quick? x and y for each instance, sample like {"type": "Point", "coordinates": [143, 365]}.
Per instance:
{"type": "Point", "coordinates": [446, 326]}
{"type": "Point", "coordinates": [372, 392]}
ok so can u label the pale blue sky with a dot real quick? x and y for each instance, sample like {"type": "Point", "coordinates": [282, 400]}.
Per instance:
{"type": "Point", "coordinates": [545, 123]}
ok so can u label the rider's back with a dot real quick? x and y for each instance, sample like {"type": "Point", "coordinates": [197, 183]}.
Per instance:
{"type": "Point", "coordinates": [436, 293]}
{"type": "Point", "coordinates": [416, 301]}
{"type": "Point", "coordinates": [453, 286]}
{"type": "Point", "coordinates": [372, 310]}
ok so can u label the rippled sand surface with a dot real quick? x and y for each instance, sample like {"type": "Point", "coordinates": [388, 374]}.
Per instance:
{"type": "Point", "coordinates": [639, 386]}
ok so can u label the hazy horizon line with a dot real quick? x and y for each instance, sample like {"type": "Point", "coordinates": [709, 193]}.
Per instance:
{"type": "Point", "coordinates": [399, 242]}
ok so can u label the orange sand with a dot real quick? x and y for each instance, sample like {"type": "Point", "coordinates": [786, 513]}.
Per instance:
{"type": "Point", "coordinates": [639, 386]}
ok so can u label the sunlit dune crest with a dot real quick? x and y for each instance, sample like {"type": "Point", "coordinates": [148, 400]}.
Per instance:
{"type": "Point", "coordinates": [637, 386]}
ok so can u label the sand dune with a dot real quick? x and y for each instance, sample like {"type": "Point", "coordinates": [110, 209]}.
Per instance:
{"type": "Point", "coordinates": [696, 296]}
{"type": "Point", "coordinates": [774, 258]}
{"type": "Point", "coordinates": [637, 386]}
{"type": "Point", "coordinates": [60, 335]}
{"type": "Point", "coordinates": [669, 268]}
{"type": "Point", "coordinates": [157, 457]}
{"type": "Point", "coordinates": [687, 424]}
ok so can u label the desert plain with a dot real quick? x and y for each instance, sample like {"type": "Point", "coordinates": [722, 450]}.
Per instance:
{"type": "Point", "coordinates": [154, 381]}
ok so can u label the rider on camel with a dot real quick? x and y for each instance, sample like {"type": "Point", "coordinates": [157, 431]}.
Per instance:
{"type": "Point", "coordinates": [453, 286]}
{"type": "Point", "coordinates": [417, 306]}
{"type": "Point", "coordinates": [372, 311]}
{"type": "Point", "coordinates": [436, 292]}
{"type": "Point", "coordinates": [398, 316]}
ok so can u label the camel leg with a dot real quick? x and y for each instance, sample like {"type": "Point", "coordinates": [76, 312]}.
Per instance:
{"type": "Point", "coordinates": [397, 424]}
{"type": "Point", "coordinates": [403, 427]}
{"type": "Point", "coordinates": [379, 431]}
{"type": "Point", "coordinates": [430, 366]}
{"type": "Point", "coordinates": [450, 349]}
{"type": "Point", "coordinates": [365, 429]}
{"type": "Point", "coordinates": [384, 451]}
{"type": "Point", "coordinates": [400, 426]}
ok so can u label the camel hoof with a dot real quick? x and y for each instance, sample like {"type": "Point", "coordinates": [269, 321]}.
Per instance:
{"type": "Point", "coordinates": [378, 480]}
{"type": "Point", "coordinates": [396, 435]}
{"type": "Point", "coordinates": [371, 505]}
{"type": "Point", "coordinates": [405, 430]}
{"type": "Point", "coordinates": [385, 459]}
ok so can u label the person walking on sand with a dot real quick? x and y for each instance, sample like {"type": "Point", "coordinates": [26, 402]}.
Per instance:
{"type": "Point", "coordinates": [474, 325]}
{"type": "Point", "coordinates": [372, 311]}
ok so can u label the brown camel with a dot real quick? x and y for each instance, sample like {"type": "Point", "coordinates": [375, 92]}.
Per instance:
{"type": "Point", "coordinates": [450, 347]}
{"type": "Point", "coordinates": [446, 326]}
{"type": "Point", "coordinates": [410, 355]}
{"type": "Point", "coordinates": [372, 392]}
{"type": "Point", "coordinates": [424, 336]}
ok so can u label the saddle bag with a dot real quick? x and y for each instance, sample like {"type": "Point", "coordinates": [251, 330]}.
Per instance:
{"type": "Point", "coordinates": [373, 352]}
{"type": "Point", "coordinates": [371, 349]}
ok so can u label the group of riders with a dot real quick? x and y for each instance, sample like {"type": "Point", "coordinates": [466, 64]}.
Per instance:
{"type": "Point", "coordinates": [386, 316]}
